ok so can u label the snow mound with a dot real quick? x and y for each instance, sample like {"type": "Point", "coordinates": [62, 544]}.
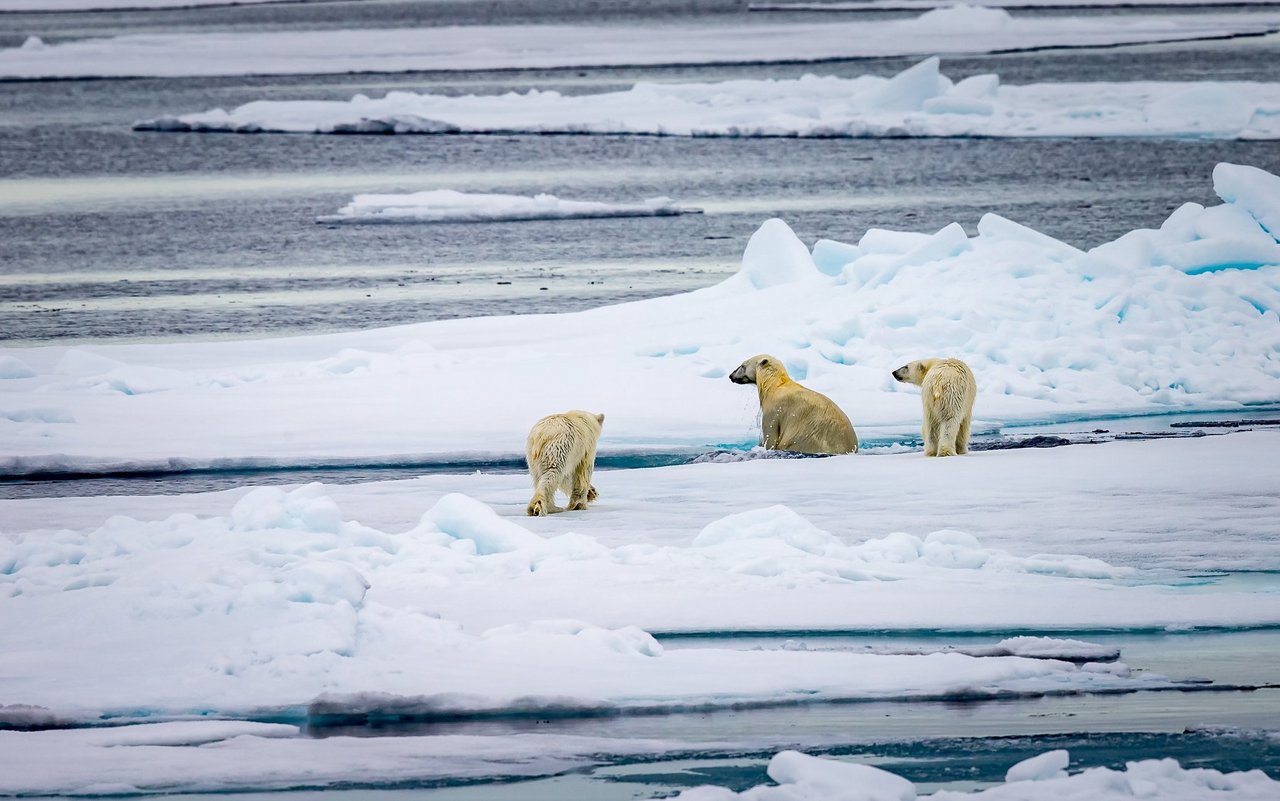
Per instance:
{"type": "Point", "coordinates": [307, 508]}
{"type": "Point", "coordinates": [476, 527]}
{"type": "Point", "coordinates": [1050, 765]}
{"type": "Point", "coordinates": [447, 205]}
{"type": "Point", "coordinates": [1056, 648]}
{"type": "Point", "coordinates": [13, 367]}
{"type": "Point", "coordinates": [1255, 191]}
{"type": "Point", "coordinates": [775, 255]}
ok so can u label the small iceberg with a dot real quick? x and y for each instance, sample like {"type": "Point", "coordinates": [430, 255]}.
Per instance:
{"type": "Point", "coordinates": [449, 206]}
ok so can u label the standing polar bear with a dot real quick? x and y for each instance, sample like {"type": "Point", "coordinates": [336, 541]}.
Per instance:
{"type": "Point", "coordinates": [561, 453]}
{"type": "Point", "coordinates": [792, 417]}
{"type": "Point", "coordinates": [947, 391]}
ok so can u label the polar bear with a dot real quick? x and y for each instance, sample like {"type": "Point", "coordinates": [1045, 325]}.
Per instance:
{"type": "Point", "coordinates": [947, 392]}
{"type": "Point", "coordinates": [792, 417]}
{"type": "Point", "coordinates": [561, 453]}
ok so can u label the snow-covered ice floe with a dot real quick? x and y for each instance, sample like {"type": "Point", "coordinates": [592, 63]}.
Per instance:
{"type": "Point", "coordinates": [800, 777]}
{"type": "Point", "coordinates": [481, 47]}
{"type": "Point", "coordinates": [919, 101]}
{"type": "Point", "coordinates": [446, 205]}
{"type": "Point", "coordinates": [217, 757]}
{"type": "Point", "coordinates": [1183, 317]}
{"type": "Point", "coordinates": [283, 607]}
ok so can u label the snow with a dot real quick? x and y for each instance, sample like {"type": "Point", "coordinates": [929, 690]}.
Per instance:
{"type": "Point", "coordinates": [1179, 318]}
{"type": "Point", "coordinates": [920, 101]}
{"type": "Point", "coordinates": [447, 205]}
{"type": "Point", "coordinates": [801, 777]}
{"type": "Point", "coordinates": [485, 47]}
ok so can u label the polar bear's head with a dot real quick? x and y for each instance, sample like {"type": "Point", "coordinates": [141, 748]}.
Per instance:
{"type": "Point", "coordinates": [914, 372]}
{"type": "Point", "coordinates": [749, 371]}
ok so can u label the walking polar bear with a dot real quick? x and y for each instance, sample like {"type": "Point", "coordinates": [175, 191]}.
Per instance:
{"type": "Point", "coordinates": [947, 392]}
{"type": "Point", "coordinates": [561, 453]}
{"type": "Point", "coordinates": [793, 417]}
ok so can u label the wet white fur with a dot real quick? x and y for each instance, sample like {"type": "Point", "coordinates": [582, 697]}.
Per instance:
{"type": "Point", "coordinates": [794, 417]}
{"type": "Point", "coordinates": [561, 453]}
{"type": "Point", "coordinates": [947, 392]}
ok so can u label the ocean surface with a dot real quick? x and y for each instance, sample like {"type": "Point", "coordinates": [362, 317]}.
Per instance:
{"type": "Point", "coordinates": [113, 235]}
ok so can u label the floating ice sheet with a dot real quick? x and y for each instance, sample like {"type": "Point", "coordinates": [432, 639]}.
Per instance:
{"type": "Point", "coordinates": [919, 101]}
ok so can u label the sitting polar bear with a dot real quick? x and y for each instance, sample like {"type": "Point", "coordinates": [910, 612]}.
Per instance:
{"type": "Point", "coordinates": [947, 391]}
{"type": "Point", "coordinates": [561, 453]}
{"type": "Point", "coordinates": [794, 418]}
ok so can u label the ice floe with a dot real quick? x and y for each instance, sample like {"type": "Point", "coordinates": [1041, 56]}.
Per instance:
{"type": "Point", "coordinates": [284, 608]}
{"type": "Point", "coordinates": [919, 101]}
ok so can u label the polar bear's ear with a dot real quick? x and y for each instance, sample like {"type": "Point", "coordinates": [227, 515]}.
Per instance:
{"type": "Point", "coordinates": [600, 418]}
{"type": "Point", "coordinates": [764, 361]}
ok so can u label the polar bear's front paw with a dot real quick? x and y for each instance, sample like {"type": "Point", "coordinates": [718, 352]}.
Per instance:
{"type": "Point", "coordinates": [536, 508]}
{"type": "Point", "coordinates": [592, 494]}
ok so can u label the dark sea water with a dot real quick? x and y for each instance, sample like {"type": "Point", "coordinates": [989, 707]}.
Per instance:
{"type": "Point", "coordinates": [109, 234]}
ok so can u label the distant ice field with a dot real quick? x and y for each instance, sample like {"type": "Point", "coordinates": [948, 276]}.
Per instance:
{"type": "Point", "coordinates": [480, 47]}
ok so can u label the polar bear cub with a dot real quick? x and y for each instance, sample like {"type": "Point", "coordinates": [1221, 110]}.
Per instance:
{"type": "Point", "coordinates": [947, 392]}
{"type": "Point", "coordinates": [561, 453]}
{"type": "Point", "coordinates": [794, 417]}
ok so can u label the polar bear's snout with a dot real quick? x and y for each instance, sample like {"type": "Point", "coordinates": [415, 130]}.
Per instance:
{"type": "Point", "coordinates": [740, 376]}
{"type": "Point", "coordinates": [901, 372]}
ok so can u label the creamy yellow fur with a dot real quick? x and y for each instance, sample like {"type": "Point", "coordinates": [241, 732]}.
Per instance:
{"type": "Point", "coordinates": [561, 453]}
{"type": "Point", "coordinates": [947, 392]}
{"type": "Point", "coordinates": [794, 417]}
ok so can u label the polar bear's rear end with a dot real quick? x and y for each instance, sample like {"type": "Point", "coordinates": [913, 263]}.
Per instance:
{"type": "Point", "coordinates": [561, 453]}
